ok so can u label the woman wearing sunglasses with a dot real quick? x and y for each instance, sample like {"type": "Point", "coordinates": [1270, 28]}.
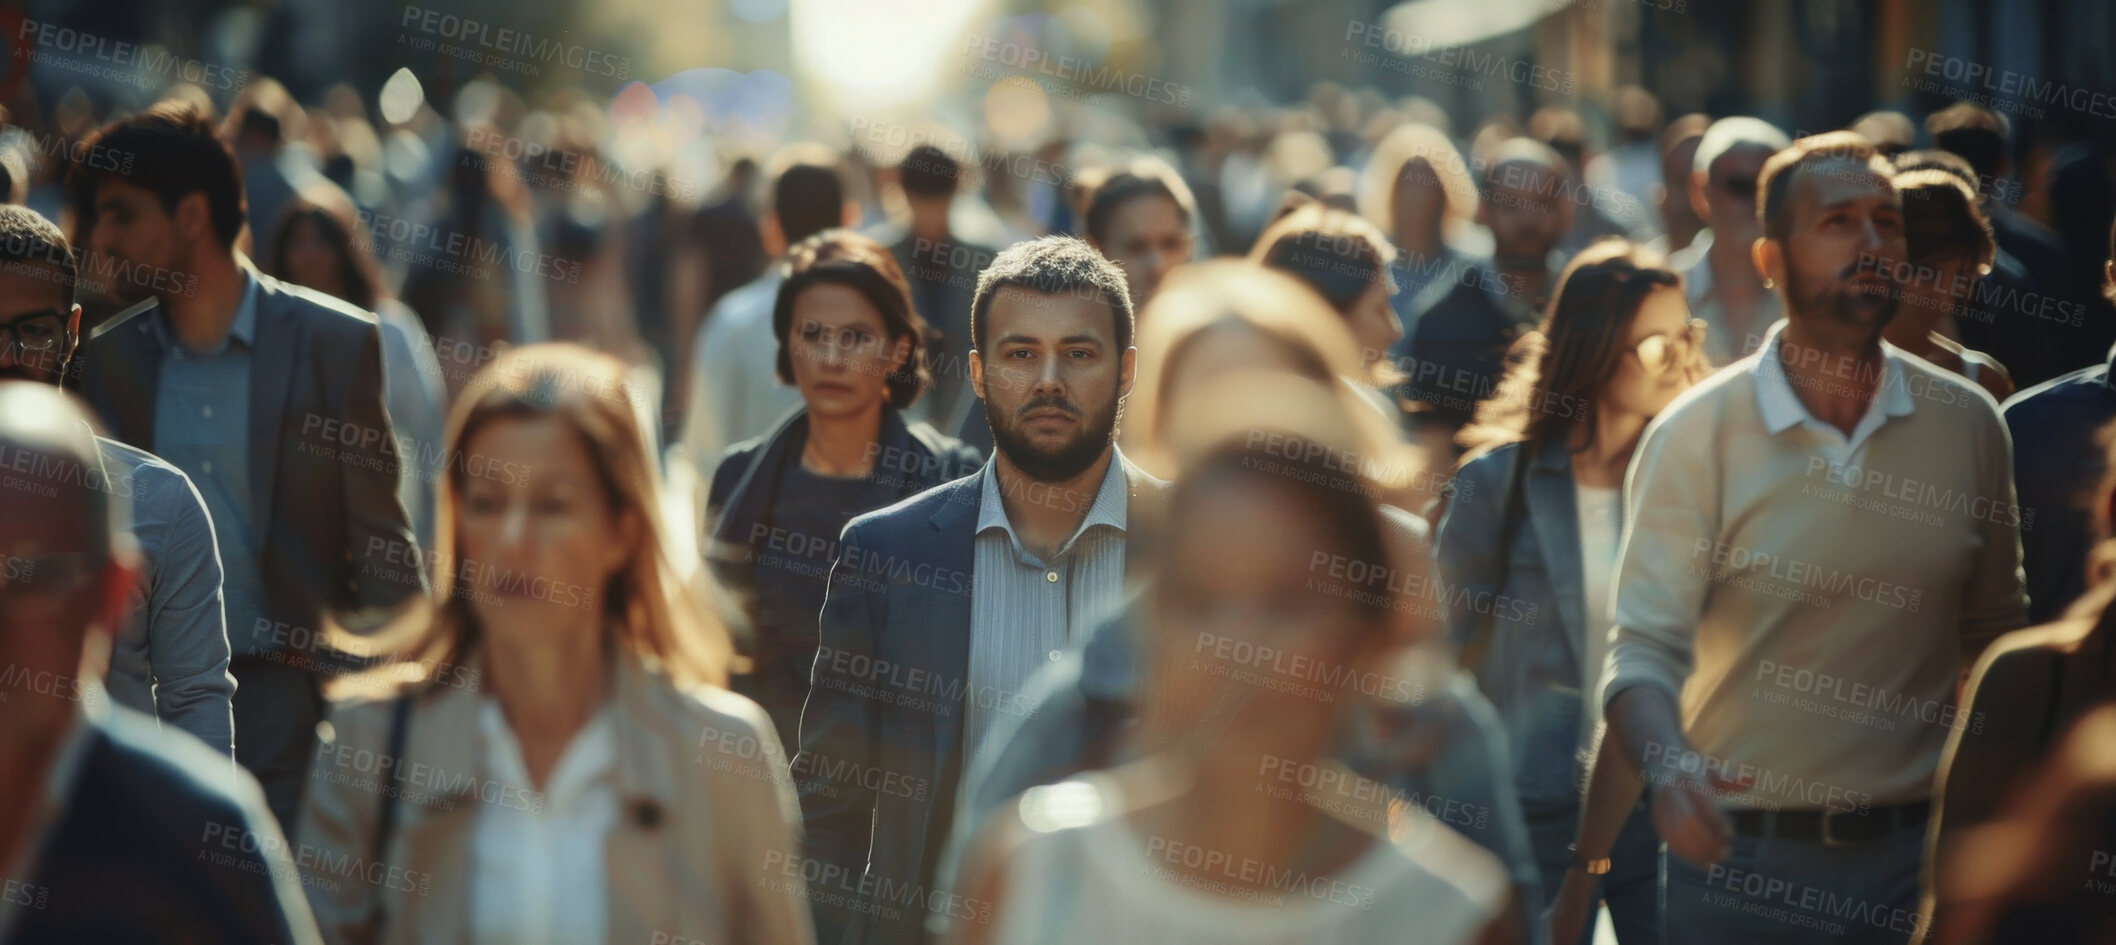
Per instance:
{"type": "Point", "coordinates": [1531, 534]}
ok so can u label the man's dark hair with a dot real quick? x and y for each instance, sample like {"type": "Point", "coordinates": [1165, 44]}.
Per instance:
{"type": "Point", "coordinates": [929, 172]}
{"type": "Point", "coordinates": [258, 123]}
{"type": "Point", "coordinates": [1941, 218]}
{"type": "Point", "coordinates": [1783, 167]}
{"type": "Point", "coordinates": [1562, 130]}
{"type": "Point", "coordinates": [1053, 265]}
{"type": "Point", "coordinates": [845, 258]}
{"type": "Point", "coordinates": [807, 197]}
{"type": "Point", "coordinates": [1976, 133]}
{"type": "Point", "coordinates": [171, 150]}
{"type": "Point", "coordinates": [1146, 177]}
{"type": "Point", "coordinates": [1519, 150]}
{"type": "Point", "coordinates": [28, 240]}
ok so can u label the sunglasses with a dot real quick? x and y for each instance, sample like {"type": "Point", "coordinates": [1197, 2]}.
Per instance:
{"type": "Point", "coordinates": [1662, 352]}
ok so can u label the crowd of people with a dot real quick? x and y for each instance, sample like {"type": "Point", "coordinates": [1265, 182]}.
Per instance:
{"type": "Point", "coordinates": [1327, 530]}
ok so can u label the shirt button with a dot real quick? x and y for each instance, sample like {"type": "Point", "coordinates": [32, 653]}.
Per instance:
{"type": "Point", "coordinates": [206, 411]}
{"type": "Point", "coordinates": [1054, 656]}
{"type": "Point", "coordinates": [1051, 576]}
{"type": "Point", "coordinates": [208, 468]}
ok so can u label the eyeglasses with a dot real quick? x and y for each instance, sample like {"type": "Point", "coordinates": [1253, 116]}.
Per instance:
{"type": "Point", "coordinates": [36, 331]}
{"type": "Point", "coordinates": [1662, 352]}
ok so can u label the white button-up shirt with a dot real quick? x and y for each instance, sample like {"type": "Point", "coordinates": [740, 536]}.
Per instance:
{"type": "Point", "coordinates": [537, 876]}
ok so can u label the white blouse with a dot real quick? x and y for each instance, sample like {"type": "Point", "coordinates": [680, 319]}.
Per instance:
{"type": "Point", "coordinates": [537, 876]}
{"type": "Point", "coordinates": [1601, 531]}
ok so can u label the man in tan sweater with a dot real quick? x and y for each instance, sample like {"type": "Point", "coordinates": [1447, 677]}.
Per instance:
{"type": "Point", "coordinates": [1820, 536]}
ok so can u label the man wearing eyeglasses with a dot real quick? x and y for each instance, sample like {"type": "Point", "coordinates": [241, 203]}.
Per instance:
{"type": "Point", "coordinates": [1721, 281]}
{"type": "Point", "coordinates": [170, 659]}
{"type": "Point", "coordinates": [108, 832]}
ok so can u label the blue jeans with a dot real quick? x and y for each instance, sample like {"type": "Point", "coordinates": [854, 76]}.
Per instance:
{"type": "Point", "coordinates": [1631, 888]}
{"type": "Point", "coordinates": [1773, 890]}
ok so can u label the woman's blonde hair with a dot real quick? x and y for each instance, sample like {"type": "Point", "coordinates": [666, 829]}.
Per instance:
{"type": "Point", "coordinates": [1391, 160]}
{"type": "Point", "coordinates": [653, 612]}
{"type": "Point", "coordinates": [1277, 307]}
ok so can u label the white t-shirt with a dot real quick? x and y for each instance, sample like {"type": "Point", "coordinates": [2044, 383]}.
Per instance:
{"type": "Point", "coordinates": [1601, 528]}
{"type": "Point", "coordinates": [1088, 876]}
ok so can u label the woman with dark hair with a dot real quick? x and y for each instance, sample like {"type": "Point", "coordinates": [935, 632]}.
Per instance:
{"type": "Point", "coordinates": [851, 342]}
{"type": "Point", "coordinates": [451, 280]}
{"type": "Point", "coordinates": [558, 758]}
{"type": "Point", "coordinates": [1951, 249]}
{"type": "Point", "coordinates": [317, 244]}
{"type": "Point", "coordinates": [1346, 260]}
{"type": "Point", "coordinates": [1535, 519]}
{"type": "Point", "coordinates": [1139, 216]}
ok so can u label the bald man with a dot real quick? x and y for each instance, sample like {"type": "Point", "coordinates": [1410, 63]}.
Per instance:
{"type": "Point", "coordinates": [108, 831]}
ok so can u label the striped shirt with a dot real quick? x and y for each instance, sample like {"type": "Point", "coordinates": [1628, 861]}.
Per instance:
{"type": "Point", "coordinates": [1025, 609]}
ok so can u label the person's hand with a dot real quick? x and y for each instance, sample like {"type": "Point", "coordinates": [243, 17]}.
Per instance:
{"type": "Point", "coordinates": [1567, 916]}
{"type": "Point", "coordinates": [1690, 822]}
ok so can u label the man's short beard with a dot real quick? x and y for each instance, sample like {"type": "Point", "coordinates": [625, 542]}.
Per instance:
{"type": "Point", "coordinates": [1839, 308]}
{"type": "Point", "coordinates": [1070, 460]}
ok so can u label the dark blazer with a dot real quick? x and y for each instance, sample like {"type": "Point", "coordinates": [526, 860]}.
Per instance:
{"type": "Point", "coordinates": [913, 458]}
{"type": "Point", "coordinates": [943, 278]}
{"type": "Point", "coordinates": [333, 536]}
{"type": "Point", "coordinates": [1531, 670]}
{"type": "Point", "coordinates": [1457, 351]}
{"type": "Point", "coordinates": [161, 841]}
{"type": "Point", "coordinates": [2058, 461]}
{"type": "Point", "coordinates": [881, 736]}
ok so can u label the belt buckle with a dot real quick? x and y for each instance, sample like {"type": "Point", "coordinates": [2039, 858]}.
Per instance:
{"type": "Point", "coordinates": [1829, 833]}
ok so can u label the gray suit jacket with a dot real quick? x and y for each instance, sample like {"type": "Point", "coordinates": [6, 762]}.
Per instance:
{"type": "Point", "coordinates": [333, 536]}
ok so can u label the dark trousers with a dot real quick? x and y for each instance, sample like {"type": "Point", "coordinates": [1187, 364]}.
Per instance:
{"type": "Point", "coordinates": [1775, 891]}
{"type": "Point", "coordinates": [1631, 888]}
{"type": "Point", "coordinates": [277, 705]}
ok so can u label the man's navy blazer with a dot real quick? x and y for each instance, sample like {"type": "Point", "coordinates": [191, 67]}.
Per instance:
{"type": "Point", "coordinates": [332, 535]}
{"type": "Point", "coordinates": [160, 840]}
{"type": "Point", "coordinates": [881, 752]}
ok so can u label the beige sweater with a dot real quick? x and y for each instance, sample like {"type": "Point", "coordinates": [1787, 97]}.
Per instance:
{"type": "Point", "coordinates": [1810, 597]}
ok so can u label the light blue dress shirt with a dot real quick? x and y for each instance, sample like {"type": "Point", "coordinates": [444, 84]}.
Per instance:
{"type": "Point", "coordinates": [202, 426]}
{"type": "Point", "coordinates": [1025, 610]}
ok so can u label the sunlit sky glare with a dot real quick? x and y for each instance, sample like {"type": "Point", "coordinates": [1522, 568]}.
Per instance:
{"type": "Point", "coordinates": [876, 54]}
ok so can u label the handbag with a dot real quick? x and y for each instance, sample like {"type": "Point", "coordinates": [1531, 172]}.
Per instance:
{"type": "Point", "coordinates": [386, 822]}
